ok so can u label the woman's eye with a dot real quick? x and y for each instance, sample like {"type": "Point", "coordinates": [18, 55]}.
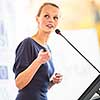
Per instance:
{"type": "Point", "coordinates": [47, 16]}
{"type": "Point", "coordinates": [55, 18]}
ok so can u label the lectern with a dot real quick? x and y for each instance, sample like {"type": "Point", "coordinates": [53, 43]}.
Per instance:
{"type": "Point", "coordinates": [91, 90]}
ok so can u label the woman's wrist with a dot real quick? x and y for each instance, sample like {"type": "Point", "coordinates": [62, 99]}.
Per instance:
{"type": "Point", "coordinates": [51, 83]}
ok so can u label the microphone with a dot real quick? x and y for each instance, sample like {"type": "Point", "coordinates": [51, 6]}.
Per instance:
{"type": "Point", "coordinates": [59, 33]}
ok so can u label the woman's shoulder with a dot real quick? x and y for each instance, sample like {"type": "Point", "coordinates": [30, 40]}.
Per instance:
{"type": "Point", "coordinates": [25, 43]}
{"type": "Point", "coordinates": [27, 40]}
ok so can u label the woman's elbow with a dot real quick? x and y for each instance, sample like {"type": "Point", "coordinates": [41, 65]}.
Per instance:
{"type": "Point", "coordinates": [18, 84]}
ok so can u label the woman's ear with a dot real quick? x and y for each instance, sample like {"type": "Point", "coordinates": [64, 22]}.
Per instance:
{"type": "Point", "coordinates": [37, 19]}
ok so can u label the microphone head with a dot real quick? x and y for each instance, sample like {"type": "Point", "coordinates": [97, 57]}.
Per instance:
{"type": "Point", "coordinates": [58, 31]}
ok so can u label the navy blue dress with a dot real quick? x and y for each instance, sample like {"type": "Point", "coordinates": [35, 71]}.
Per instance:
{"type": "Point", "coordinates": [26, 52]}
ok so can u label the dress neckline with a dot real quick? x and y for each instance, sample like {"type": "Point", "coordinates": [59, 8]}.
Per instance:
{"type": "Point", "coordinates": [44, 46]}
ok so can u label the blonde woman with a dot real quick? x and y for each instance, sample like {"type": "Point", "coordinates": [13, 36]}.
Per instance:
{"type": "Point", "coordinates": [33, 65]}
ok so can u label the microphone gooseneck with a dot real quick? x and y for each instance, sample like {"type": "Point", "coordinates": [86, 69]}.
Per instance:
{"type": "Point", "coordinates": [59, 33]}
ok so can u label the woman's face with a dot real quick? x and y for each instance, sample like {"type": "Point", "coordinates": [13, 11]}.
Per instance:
{"type": "Point", "coordinates": [48, 19]}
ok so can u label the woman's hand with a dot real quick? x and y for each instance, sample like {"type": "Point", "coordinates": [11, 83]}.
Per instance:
{"type": "Point", "coordinates": [57, 78]}
{"type": "Point", "coordinates": [43, 56]}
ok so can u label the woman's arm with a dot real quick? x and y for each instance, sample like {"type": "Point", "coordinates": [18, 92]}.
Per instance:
{"type": "Point", "coordinates": [26, 76]}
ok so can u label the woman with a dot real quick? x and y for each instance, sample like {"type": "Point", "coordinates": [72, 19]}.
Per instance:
{"type": "Point", "coordinates": [33, 65]}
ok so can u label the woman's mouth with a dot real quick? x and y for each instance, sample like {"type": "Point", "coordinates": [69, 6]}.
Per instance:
{"type": "Point", "coordinates": [50, 26]}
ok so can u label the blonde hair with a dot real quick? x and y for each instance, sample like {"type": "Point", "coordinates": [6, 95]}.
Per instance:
{"type": "Point", "coordinates": [47, 3]}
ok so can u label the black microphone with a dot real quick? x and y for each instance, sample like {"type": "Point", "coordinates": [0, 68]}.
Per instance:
{"type": "Point", "coordinates": [59, 33]}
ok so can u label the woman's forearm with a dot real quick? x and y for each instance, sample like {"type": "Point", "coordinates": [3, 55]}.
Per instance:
{"type": "Point", "coordinates": [25, 77]}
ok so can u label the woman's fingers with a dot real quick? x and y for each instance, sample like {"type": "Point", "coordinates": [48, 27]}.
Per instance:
{"type": "Point", "coordinates": [57, 78]}
{"type": "Point", "coordinates": [44, 56]}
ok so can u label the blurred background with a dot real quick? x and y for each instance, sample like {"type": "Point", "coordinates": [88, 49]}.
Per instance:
{"type": "Point", "coordinates": [79, 23]}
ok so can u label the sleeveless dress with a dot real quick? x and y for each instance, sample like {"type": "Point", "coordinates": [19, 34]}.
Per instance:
{"type": "Point", "coordinates": [26, 53]}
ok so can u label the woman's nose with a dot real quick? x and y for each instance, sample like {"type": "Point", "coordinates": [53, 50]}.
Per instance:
{"type": "Point", "coordinates": [51, 19]}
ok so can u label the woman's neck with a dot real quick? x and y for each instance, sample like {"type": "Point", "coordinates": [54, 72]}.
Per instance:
{"type": "Point", "coordinates": [41, 38]}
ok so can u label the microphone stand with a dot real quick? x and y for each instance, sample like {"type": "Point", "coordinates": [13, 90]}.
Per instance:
{"type": "Point", "coordinates": [95, 85]}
